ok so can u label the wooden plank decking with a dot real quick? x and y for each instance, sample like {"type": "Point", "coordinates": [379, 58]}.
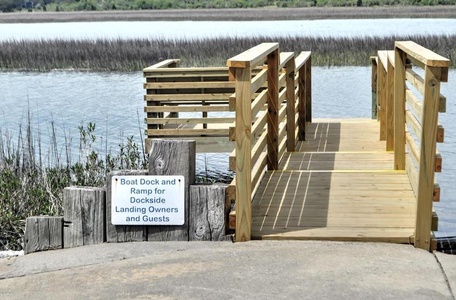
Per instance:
{"type": "Point", "coordinates": [343, 187]}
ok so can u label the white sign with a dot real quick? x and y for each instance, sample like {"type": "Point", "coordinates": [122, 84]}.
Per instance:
{"type": "Point", "coordinates": [147, 200]}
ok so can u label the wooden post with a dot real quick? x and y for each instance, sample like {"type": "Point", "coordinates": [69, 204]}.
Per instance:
{"type": "Point", "coordinates": [207, 212]}
{"type": "Point", "coordinates": [291, 101]}
{"type": "Point", "coordinates": [84, 216]}
{"type": "Point", "coordinates": [390, 103]}
{"type": "Point", "coordinates": [243, 156]}
{"type": "Point", "coordinates": [172, 157]}
{"type": "Point", "coordinates": [399, 109]}
{"type": "Point", "coordinates": [374, 86]}
{"type": "Point", "coordinates": [273, 110]}
{"type": "Point", "coordinates": [431, 96]}
{"type": "Point", "coordinates": [382, 92]}
{"type": "Point", "coordinates": [308, 94]}
{"type": "Point", "coordinates": [302, 103]}
{"type": "Point", "coordinates": [122, 233]}
{"type": "Point", "coordinates": [43, 233]}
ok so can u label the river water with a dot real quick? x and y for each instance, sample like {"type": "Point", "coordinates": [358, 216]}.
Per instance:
{"type": "Point", "coordinates": [114, 101]}
{"type": "Point", "coordinates": [211, 29]}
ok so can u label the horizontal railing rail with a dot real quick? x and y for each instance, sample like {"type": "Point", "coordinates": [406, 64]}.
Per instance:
{"type": "Point", "coordinates": [187, 102]}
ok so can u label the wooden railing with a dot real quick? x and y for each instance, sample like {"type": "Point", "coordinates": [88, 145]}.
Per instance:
{"type": "Point", "coordinates": [272, 108]}
{"type": "Point", "coordinates": [409, 100]}
{"type": "Point", "coordinates": [187, 102]}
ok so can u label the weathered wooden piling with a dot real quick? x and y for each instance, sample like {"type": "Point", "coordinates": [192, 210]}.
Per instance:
{"type": "Point", "coordinates": [84, 216]}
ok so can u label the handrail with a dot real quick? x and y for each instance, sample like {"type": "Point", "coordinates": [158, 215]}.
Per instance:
{"type": "Point", "coordinates": [416, 126]}
{"type": "Point", "coordinates": [269, 120]}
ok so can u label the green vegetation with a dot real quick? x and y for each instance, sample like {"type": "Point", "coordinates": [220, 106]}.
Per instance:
{"type": "Point", "coordinates": [32, 178]}
{"type": "Point", "coordinates": [101, 5]}
{"type": "Point", "coordinates": [134, 55]}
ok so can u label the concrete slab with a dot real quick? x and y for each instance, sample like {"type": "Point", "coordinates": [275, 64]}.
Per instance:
{"type": "Point", "coordinates": [448, 263]}
{"type": "Point", "coordinates": [208, 270]}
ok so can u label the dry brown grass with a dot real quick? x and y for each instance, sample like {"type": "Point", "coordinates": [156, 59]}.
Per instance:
{"type": "Point", "coordinates": [307, 13]}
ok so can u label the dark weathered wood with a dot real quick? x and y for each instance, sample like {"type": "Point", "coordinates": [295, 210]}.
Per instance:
{"type": "Point", "coordinates": [122, 233]}
{"type": "Point", "coordinates": [43, 233]}
{"type": "Point", "coordinates": [172, 157]}
{"type": "Point", "coordinates": [84, 216]}
{"type": "Point", "coordinates": [207, 212]}
{"type": "Point", "coordinates": [273, 110]}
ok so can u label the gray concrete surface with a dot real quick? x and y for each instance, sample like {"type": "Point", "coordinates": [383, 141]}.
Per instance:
{"type": "Point", "coordinates": [223, 270]}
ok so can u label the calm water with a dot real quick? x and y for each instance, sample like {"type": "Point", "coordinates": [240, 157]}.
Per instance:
{"type": "Point", "coordinates": [114, 101]}
{"type": "Point", "coordinates": [210, 29]}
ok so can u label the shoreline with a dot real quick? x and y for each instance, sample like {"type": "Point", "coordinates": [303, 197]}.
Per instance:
{"type": "Point", "coordinates": [229, 14]}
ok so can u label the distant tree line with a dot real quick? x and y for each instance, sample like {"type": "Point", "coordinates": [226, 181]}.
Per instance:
{"type": "Point", "coordinates": [86, 5]}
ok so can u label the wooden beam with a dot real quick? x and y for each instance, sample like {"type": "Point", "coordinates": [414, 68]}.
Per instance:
{"type": "Point", "coordinates": [273, 110]}
{"type": "Point", "coordinates": [168, 63]}
{"type": "Point", "coordinates": [390, 103]}
{"type": "Point", "coordinates": [399, 110]}
{"type": "Point", "coordinates": [374, 80]}
{"type": "Point", "coordinates": [427, 157]}
{"type": "Point", "coordinates": [243, 147]}
{"type": "Point", "coordinates": [252, 57]}
{"type": "Point", "coordinates": [426, 56]}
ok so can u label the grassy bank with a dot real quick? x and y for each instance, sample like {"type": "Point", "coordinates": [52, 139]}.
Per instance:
{"type": "Point", "coordinates": [134, 55]}
{"type": "Point", "coordinates": [266, 14]}
{"type": "Point", "coordinates": [33, 176]}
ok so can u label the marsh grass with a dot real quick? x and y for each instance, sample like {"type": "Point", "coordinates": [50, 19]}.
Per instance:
{"type": "Point", "coordinates": [135, 54]}
{"type": "Point", "coordinates": [32, 177]}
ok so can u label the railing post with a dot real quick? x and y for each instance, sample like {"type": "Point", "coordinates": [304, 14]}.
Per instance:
{"type": "Point", "coordinates": [374, 86]}
{"type": "Point", "coordinates": [390, 102]}
{"type": "Point", "coordinates": [291, 105]}
{"type": "Point", "coordinates": [429, 123]}
{"type": "Point", "coordinates": [382, 89]}
{"type": "Point", "coordinates": [308, 94]}
{"type": "Point", "coordinates": [302, 103]}
{"type": "Point", "coordinates": [273, 110]}
{"type": "Point", "coordinates": [243, 146]}
{"type": "Point", "coordinates": [399, 109]}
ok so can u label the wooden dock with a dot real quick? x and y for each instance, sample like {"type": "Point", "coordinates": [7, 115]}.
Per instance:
{"type": "Point", "coordinates": [343, 187]}
{"type": "Point", "coordinates": [297, 177]}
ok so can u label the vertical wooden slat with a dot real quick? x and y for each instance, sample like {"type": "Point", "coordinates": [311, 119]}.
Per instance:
{"type": "Point", "coordinates": [427, 158]}
{"type": "Point", "coordinates": [243, 159]}
{"type": "Point", "coordinates": [308, 95]}
{"type": "Point", "coordinates": [382, 94]}
{"type": "Point", "coordinates": [273, 110]}
{"type": "Point", "coordinates": [374, 86]}
{"type": "Point", "coordinates": [291, 100]}
{"type": "Point", "coordinates": [390, 105]}
{"type": "Point", "coordinates": [399, 109]}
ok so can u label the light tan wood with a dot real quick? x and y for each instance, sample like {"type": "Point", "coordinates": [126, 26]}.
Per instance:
{"type": "Point", "coordinates": [243, 147]}
{"type": "Point", "coordinates": [252, 57]}
{"type": "Point", "coordinates": [415, 79]}
{"type": "Point", "coordinates": [390, 103]}
{"type": "Point", "coordinates": [286, 57]}
{"type": "Point", "coordinates": [426, 56]}
{"type": "Point", "coordinates": [427, 158]}
{"type": "Point", "coordinates": [163, 64]}
{"type": "Point", "coordinates": [188, 85]}
{"type": "Point", "coordinates": [180, 121]}
{"type": "Point", "coordinates": [258, 81]}
{"type": "Point", "coordinates": [308, 91]}
{"type": "Point", "coordinates": [302, 59]}
{"type": "Point", "coordinates": [224, 97]}
{"type": "Point", "coordinates": [187, 108]}
{"type": "Point", "coordinates": [399, 109]}
{"type": "Point", "coordinates": [382, 91]}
